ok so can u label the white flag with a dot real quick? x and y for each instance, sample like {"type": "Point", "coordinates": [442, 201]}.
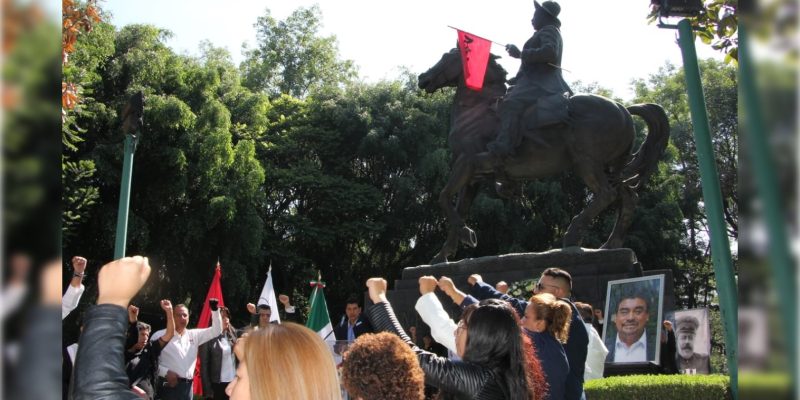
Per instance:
{"type": "Point", "coordinates": [268, 297]}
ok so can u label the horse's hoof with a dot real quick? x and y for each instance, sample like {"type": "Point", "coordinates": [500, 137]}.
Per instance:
{"type": "Point", "coordinates": [468, 237]}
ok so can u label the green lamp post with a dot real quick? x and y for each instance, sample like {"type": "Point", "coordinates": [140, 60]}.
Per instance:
{"type": "Point", "coordinates": [709, 178]}
{"type": "Point", "coordinates": [131, 127]}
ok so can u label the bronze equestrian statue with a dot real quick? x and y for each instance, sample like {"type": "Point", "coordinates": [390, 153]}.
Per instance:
{"type": "Point", "coordinates": [596, 142]}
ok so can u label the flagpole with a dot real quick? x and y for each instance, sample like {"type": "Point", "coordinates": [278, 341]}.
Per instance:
{"type": "Point", "coordinates": [505, 45]}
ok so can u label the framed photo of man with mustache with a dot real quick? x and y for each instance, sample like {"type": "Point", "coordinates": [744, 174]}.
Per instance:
{"type": "Point", "coordinates": [693, 340]}
{"type": "Point", "coordinates": [632, 330]}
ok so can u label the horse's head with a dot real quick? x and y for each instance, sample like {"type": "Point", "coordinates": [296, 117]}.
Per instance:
{"type": "Point", "coordinates": [446, 72]}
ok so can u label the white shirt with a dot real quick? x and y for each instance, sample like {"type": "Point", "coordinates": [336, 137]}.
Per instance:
{"type": "Point", "coordinates": [636, 353]}
{"type": "Point", "coordinates": [180, 354]}
{"type": "Point", "coordinates": [70, 299]}
{"type": "Point", "coordinates": [226, 373]}
{"type": "Point", "coordinates": [596, 356]}
{"type": "Point", "coordinates": [442, 327]}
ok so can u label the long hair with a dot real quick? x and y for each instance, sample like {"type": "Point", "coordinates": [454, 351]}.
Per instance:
{"type": "Point", "coordinates": [290, 361]}
{"type": "Point", "coordinates": [495, 340]}
{"type": "Point", "coordinates": [555, 313]}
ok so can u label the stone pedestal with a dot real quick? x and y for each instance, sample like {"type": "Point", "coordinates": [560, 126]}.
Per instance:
{"type": "Point", "coordinates": [590, 269]}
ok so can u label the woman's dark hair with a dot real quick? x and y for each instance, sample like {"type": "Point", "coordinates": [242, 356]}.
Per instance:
{"type": "Point", "coordinates": [495, 341]}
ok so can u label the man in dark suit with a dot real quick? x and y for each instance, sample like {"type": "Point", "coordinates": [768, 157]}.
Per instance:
{"type": "Point", "coordinates": [632, 342]}
{"type": "Point", "coordinates": [353, 324]}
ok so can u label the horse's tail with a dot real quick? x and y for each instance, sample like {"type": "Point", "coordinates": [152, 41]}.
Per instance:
{"type": "Point", "coordinates": [646, 158]}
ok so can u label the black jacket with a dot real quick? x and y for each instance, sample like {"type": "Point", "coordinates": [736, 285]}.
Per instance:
{"type": "Point", "coordinates": [210, 354]}
{"type": "Point", "coordinates": [99, 370]}
{"type": "Point", "coordinates": [462, 379]}
{"type": "Point", "coordinates": [362, 326]}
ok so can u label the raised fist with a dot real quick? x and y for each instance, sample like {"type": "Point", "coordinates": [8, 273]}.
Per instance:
{"type": "Point", "coordinates": [120, 280]}
{"type": "Point", "coordinates": [427, 284]}
{"type": "Point", "coordinates": [78, 264]}
{"type": "Point", "coordinates": [446, 284]}
{"type": "Point", "coordinates": [213, 304]}
{"type": "Point", "coordinates": [377, 289]}
{"type": "Point", "coordinates": [251, 308]}
{"type": "Point", "coordinates": [166, 305]}
{"type": "Point", "coordinates": [133, 313]}
{"type": "Point", "coordinates": [473, 279]}
{"type": "Point", "coordinates": [284, 299]}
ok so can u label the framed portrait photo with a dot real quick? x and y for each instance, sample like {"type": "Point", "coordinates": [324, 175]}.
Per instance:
{"type": "Point", "coordinates": [693, 341]}
{"type": "Point", "coordinates": [632, 328]}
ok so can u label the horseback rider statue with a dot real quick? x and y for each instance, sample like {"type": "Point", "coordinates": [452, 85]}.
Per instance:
{"type": "Point", "coordinates": [538, 82]}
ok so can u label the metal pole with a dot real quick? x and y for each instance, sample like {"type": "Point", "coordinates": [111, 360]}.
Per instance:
{"type": "Point", "coordinates": [124, 197]}
{"type": "Point", "coordinates": [712, 196]}
{"type": "Point", "coordinates": [780, 258]}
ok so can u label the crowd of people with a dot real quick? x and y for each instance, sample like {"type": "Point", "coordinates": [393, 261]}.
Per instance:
{"type": "Point", "coordinates": [501, 347]}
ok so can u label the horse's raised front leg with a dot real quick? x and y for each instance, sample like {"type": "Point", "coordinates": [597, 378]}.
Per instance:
{"type": "Point", "coordinates": [460, 177]}
{"type": "Point", "coordinates": [595, 178]}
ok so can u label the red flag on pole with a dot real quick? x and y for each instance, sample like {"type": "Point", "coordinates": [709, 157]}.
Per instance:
{"type": "Point", "coordinates": [214, 292]}
{"type": "Point", "coordinates": [474, 58]}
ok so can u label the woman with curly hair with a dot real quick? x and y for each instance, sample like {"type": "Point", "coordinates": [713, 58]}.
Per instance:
{"type": "Point", "coordinates": [381, 366]}
{"type": "Point", "coordinates": [495, 361]}
{"type": "Point", "coordinates": [547, 322]}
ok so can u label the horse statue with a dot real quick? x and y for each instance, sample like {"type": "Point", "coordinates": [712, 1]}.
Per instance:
{"type": "Point", "coordinates": [596, 143]}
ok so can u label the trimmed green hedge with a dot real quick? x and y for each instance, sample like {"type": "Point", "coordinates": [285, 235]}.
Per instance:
{"type": "Point", "coordinates": [659, 387]}
{"type": "Point", "coordinates": [774, 386]}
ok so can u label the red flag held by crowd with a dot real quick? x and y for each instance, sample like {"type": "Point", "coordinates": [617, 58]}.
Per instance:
{"type": "Point", "coordinates": [474, 58]}
{"type": "Point", "coordinates": [214, 292]}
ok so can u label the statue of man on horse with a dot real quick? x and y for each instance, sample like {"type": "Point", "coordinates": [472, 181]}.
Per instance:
{"type": "Point", "coordinates": [591, 135]}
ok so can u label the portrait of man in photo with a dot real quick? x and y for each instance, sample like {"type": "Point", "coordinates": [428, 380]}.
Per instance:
{"type": "Point", "coordinates": [693, 345]}
{"type": "Point", "coordinates": [632, 331]}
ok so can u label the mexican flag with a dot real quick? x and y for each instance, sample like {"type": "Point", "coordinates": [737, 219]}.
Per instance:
{"type": "Point", "coordinates": [318, 320]}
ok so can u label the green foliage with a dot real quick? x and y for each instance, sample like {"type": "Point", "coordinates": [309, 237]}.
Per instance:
{"type": "Point", "coordinates": [78, 196]}
{"type": "Point", "coordinates": [694, 274]}
{"type": "Point", "coordinates": [522, 289]}
{"type": "Point", "coordinates": [291, 58]}
{"type": "Point", "coordinates": [659, 387]}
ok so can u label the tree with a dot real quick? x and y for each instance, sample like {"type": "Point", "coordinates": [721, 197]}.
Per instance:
{"type": "Point", "coordinates": [86, 41]}
{"type": "Point", "coordinates": [195, 188]}
{"type": "Point", "coordinates": [291, 58]}
{"type": "Point", "coordinates": [695, 283]}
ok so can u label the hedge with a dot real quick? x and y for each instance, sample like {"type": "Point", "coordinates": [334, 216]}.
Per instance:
{"type": "Point", "coordinates": [659, 387]}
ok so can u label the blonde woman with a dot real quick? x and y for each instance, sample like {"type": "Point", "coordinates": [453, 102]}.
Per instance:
{"type": "Point", "coordinates": [547, 322]}
{"type": "Point", "coordinates": [286, 361]}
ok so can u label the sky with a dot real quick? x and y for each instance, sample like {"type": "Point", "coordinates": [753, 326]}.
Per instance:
{"type": "Point", "coordinates": [608, 42]}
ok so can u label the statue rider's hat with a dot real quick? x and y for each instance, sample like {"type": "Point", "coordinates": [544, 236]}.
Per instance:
{"type": "Point", "coordinates": [550, 7]}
